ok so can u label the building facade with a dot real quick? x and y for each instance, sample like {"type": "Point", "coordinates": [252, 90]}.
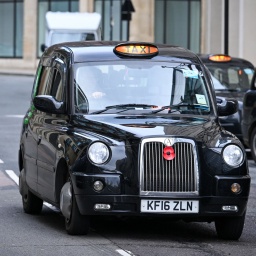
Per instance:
{"type": "Point", "coordinates": [203, 26]}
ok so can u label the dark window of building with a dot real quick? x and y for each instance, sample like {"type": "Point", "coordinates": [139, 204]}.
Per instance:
{"type": "Point", "coordinates": [113, 27]}
{"type": "Point", "coordinates": [177, 22]}
{"type": "Point", "coordinates": [11, 28]}
{"type": "Point", "coordinates": [54, 6]}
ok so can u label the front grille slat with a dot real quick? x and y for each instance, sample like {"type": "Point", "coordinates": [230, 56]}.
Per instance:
{"type": "Point", "coordinates": [159, 175]}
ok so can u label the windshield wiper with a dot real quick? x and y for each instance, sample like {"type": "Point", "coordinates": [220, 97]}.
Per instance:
{"type": "Point", "coordinates": [178, 107]}
{"type": "Point", "coordinates": [227, 90]}
{"type": "Point", "coordinates": [125, 107]}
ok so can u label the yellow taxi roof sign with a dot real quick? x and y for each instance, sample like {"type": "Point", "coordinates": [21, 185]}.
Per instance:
{"type": "Point", "coordinates": [136, 49]}
{"type": "Point", "coordinates": [220, 58]}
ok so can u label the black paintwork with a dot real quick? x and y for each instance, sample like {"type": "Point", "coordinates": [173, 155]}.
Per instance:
{"type": "Point", "coordinates": [233, 122]}
{"type": "Point", "coordinates": [249, 118]}
{"type": "Point", "coordinates": [53, 146]}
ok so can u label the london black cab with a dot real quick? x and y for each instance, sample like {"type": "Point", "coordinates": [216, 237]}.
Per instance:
{"type": "Point", "coordinates": [231, 77]}
{"type": "Point", "coordinates": [249, 118]}
{"type": "Point", "coordinates": [130, 129]}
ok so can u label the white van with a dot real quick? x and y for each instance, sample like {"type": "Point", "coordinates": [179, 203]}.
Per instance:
{"type": "Point", "coordinates": [71, 26]}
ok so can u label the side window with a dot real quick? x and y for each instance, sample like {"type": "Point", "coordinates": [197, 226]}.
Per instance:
{"type": "Point", "coordinates": [42, 81]}
{"type": "Point", "coordinates": [55, 88]}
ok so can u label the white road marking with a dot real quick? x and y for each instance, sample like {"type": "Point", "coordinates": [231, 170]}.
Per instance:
{"type": "Point", "coordinates": [15, 178]}
{"type": "Point", "coordinates": [125, 253]}
{"type": "Point", "coordinates": [51, 207]}
{"type": "Point", "coordinates": [5, 181]}
{"type": "Point", "coordinates": [1, 161]}
{"type": "Point", "coordinates": [15, 116]}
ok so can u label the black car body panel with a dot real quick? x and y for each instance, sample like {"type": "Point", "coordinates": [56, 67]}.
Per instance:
{"type": "Point", "coordinates": [231, 79]}
{"type": "Point", "coordinates": [134, 156]}
{"type": "Point", "coordinates": [249, 118]}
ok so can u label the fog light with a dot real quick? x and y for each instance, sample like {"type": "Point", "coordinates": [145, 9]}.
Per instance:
{"type": "Point", "coordinates": [98, 185]}
{"type": "Point", "coordinates": [102, 207]}
{"type": "Point", "coordinates": [230, 208]}
{"type": "Point", "coordinates": [236, 188]}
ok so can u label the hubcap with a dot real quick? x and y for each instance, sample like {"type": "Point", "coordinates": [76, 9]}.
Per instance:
{"type": "Point", "coordinates": [66, 200]}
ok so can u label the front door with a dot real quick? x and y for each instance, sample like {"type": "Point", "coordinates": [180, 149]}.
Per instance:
{"type": "Point", "coordinates": [51, 129]}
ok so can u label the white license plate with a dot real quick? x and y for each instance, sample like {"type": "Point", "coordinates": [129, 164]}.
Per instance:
{"type": "Point", "coordinates": [170, 206]}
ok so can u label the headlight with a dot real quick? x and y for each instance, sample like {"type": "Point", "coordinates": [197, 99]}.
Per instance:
{"type": "Point", "coordinates": [233, 155]}
{"type": "Point", "coordinates": [98, 153]}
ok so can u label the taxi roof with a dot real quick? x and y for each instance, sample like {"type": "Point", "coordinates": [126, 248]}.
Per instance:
{"type": "Point", "coordinates": [84, 51]}
{"type": "Point", "coordinates": [233, 61]}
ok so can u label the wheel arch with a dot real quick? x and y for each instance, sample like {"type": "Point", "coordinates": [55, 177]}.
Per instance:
{"type": "Point", "coordinates": [61, 176]}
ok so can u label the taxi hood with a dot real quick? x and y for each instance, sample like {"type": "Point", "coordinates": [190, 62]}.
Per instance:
{"type": "Point", "coordinates": [125, 127]}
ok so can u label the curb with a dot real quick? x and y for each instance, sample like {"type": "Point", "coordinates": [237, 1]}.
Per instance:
{"type": "Point", "coordinates": [18, 72]}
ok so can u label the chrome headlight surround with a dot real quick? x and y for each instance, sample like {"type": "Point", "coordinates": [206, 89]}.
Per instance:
{"type": "Point", "coordinates": [233, 155]}
{"type": "Point", "coordinates": [98, 153]}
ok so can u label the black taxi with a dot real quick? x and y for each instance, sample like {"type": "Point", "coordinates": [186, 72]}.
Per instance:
{"type": "Point", "coordinates": [249, 118]}
{"type": "Point", "coordinates": [130, 129]}
{"type": "Point", "coordinates": [231, 77]}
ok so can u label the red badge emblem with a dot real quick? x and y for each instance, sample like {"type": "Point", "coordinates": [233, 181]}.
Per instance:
{"type": "Point", "coordinates": [168, 153]}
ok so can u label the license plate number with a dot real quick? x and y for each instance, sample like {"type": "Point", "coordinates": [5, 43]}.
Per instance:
{"type": "Point", "coordinates": [170, 206]}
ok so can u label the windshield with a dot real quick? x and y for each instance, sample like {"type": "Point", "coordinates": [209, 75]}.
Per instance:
{"type": "Point", "coordinates": [140, 87]}
{"type": "Point", "coordinates": [231, 78]}
{"type": "Point", "coordinates": [60, 37]}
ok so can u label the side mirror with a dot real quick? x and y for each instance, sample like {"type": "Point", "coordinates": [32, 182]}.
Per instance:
{"type": "Point", "coordinates": [226, 106]}
{"type": "Point", "coordinates": [48, 104]}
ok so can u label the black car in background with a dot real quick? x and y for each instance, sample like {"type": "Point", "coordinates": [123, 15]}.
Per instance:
{"type": "Point", "coordinates": [231, 79]}
{"type": "Point", "coordinates": [249, 118]}
{"type": "Point", "coordinates": [130, 129]}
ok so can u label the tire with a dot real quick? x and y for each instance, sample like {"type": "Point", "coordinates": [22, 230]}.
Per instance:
{"type": "Point", "coordinates": [230, 228]}
{"type": "Point", "coordinates": [31, 203]}
{"type": "Point", "coordinates": [253, 144]}
{"type": "Point", "coordinates": [77, 224]}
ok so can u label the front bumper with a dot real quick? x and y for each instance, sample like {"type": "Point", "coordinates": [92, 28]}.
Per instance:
{"type": "Point", "coordinates": [122, 203]}
{"type": "Point", "coordinates": [130, 206]}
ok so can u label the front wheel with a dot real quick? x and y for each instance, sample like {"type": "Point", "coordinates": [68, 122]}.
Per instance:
{"type": "Point", "coordinates": [230, 228]}
{"type": "Point", "coordinates": [253, 144]}
{"type": "Point", "coordinates": [76, 224]}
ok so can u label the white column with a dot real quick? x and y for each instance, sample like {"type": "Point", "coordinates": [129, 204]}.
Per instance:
{"type": "Point", "coordinates": [212, 26]}
{"type": "Point", "coordinates": [142, 23]}
{"type": "Point", "coordinates": [86, 5]}
{"type": "Point", "coordinates": [30, 34]}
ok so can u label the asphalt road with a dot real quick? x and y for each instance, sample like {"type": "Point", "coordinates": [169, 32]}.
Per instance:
{"type": "Point", "coordinates": [44, 234]}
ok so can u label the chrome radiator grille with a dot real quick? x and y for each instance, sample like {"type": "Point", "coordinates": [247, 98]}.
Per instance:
{"type": "Point", "coordinates": [158, 175]}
